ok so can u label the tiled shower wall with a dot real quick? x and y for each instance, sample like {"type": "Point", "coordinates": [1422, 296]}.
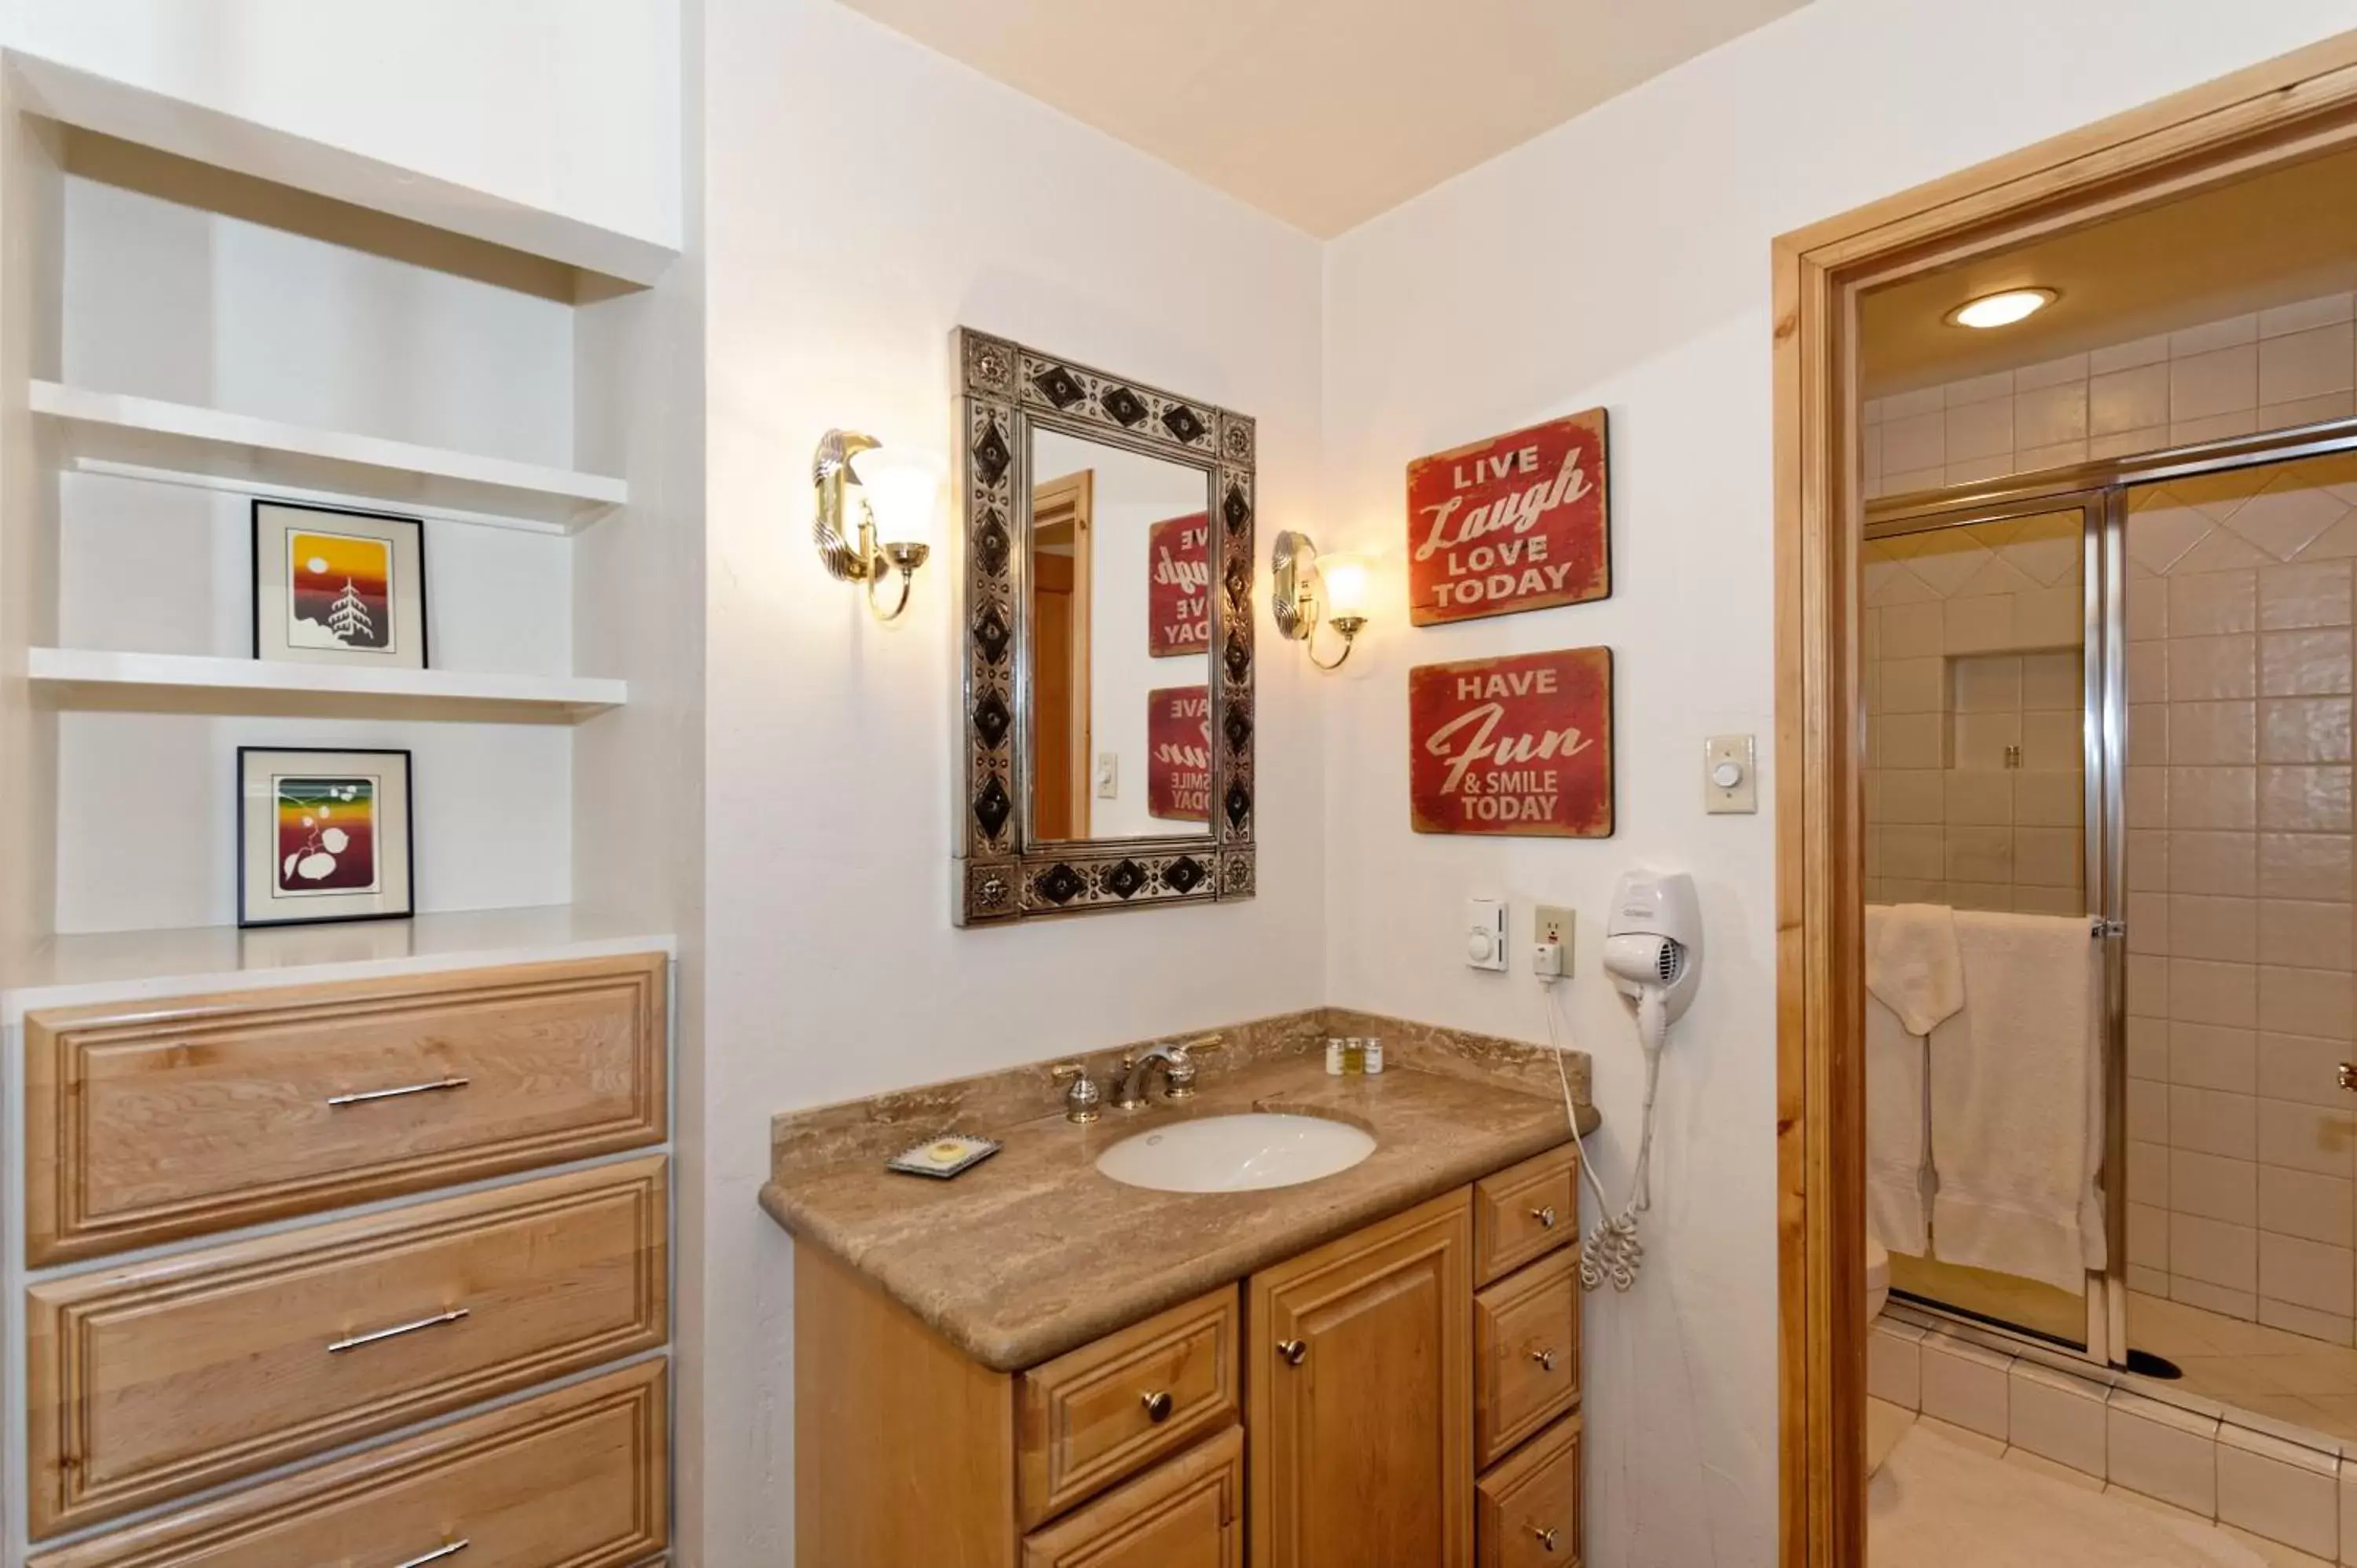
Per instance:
{"type": "Point", "coordinates": [2267, 370]}
{"type": "Point", "coordinates": [1975, 690]}
{"type": "Point", "coordinates": [2239, 870]}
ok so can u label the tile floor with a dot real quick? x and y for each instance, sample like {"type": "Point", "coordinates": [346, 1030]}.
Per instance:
{"type": "Point", "coordinates": [1886, 1423]}
{"type": "Point", "coordinates": [2251, 1367]}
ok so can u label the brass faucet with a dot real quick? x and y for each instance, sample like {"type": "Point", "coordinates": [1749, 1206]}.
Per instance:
{"type": "Point", "coordinates": [1178, 1069]}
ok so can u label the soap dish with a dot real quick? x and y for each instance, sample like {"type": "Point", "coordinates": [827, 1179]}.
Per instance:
{"type": "Point", "coordinates": [944, 1156]}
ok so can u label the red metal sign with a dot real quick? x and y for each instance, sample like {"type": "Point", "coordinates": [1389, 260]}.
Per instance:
{"type": "Point", "coordinates": [1179, 586]}
{"type": "Point", "coordinates": [1515, 522]}
{"type": "Point", "coordinates": [1519, 744]}
{"type": "Point", "coordinates": [1178, 754]}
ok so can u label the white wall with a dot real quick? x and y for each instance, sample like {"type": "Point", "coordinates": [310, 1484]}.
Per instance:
{"type": "Point", "coordinates": [568, 106]}
{"type": "Point", "coordinates": [1623, 259]}
{"type": "Point", "coordinates": [854, 215]}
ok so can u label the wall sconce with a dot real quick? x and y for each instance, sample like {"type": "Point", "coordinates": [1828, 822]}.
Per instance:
{"type": "Point", "coordinates": [896, 497]}
{"type": "Point", "coordinates": [1311, 587]}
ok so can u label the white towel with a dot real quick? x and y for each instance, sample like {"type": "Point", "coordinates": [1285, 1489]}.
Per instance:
{"type": "Point", "coordinates": [1898, 1204]}
{"type": "Point", "coordinates": [2015, 1133]}
{"type": "Point", "coordinates": [1911, 962]}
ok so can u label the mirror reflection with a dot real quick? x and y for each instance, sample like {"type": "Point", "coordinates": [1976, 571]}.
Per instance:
{"type": "Point", "coordinates": [1119, 568]}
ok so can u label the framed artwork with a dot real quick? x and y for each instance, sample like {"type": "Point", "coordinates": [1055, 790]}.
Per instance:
{"type": "Point", "coordinates": [1518, 746]}
{"type": "Point", "coordinates": [1179, 586]}
{"type": "Point", "coordinates": [1178, 754]}
{"type": "Point", "coordinates": [339, 587]}
{"type": "Point", "coordinates": [322, 835]}
{"type": "Point", "coordinates": [1516, 522]}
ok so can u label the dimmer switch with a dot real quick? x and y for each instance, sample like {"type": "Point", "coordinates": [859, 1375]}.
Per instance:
{"type": "Point", "coordinates": [1729, 773]}
{"type": "Point", "coordinates": [1485, 933]}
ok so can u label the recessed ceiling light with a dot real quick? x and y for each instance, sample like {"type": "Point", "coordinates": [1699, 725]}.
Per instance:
{"type": "Point", "coordinates": [2001, 309]}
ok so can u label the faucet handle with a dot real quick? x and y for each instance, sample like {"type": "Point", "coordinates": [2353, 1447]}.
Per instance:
{"type": "Point", "coordinates": [1178, 1076]}
{"type": "Point", "coordinates": [1204, 1044]}
{"type": "Point", "coordinates": [1082, 1096]}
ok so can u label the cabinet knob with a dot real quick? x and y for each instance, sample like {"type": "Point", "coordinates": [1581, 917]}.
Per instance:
{"type": "Point", "coordinates": [1545, 1216]}
{"type": "Point", "coordinates": [1545, 1359]}
{"type": "Point", "coordinates": [1293, 1350]}
{"type": "Point", "coordinates": [1547, 1537]}
{"type": "Point", "coordinates": [1157, 1406]}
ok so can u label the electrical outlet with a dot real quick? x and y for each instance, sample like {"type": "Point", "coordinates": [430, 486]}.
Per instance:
{"type": "Point", "coordinates": [1553, 925]}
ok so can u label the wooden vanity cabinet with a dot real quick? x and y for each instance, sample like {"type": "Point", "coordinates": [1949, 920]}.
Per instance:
{"type": "Point", "coordinates": [1361, 1397]}
{"type": "Point", "coordinates": [1322, 1414]}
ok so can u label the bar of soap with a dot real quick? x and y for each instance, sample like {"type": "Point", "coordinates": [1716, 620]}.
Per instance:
{"type": "Point", "coordinates": [944, 1156]}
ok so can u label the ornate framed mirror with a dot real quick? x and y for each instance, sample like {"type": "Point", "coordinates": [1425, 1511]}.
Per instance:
{"type": "Point", "coordinates": [1102, 546]}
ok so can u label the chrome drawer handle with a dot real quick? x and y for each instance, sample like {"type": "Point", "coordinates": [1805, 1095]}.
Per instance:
{"type": "Point", "coordinates": [338, 1346]}
{"type": "Point", "coordinates": [1293, 1350]}
{"type": "Point", "coordinates": [1157, 1407]}
{"type": "Point", "coordinates": [364, 1095]}
{"type": "Point", "coordinates": [1546, 1540]}
{"type": "Point", "coordinates": [455, 1547]}
{"type": "Point", "coordinates": [1545, 1359]}
{"type": "Point", "coordinates": [1545, 1216]}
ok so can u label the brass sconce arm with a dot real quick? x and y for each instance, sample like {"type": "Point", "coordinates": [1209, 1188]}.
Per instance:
{"type": "Point", "coordinates": [1296, 600]}
{"type": "Point", "coordinates": [856, 557]}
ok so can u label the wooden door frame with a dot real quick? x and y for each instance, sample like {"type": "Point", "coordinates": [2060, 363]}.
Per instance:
{"type": "Point", "coordinates": [1070, 502]}
{"type": "Point", "coordinates": [2298, 106]}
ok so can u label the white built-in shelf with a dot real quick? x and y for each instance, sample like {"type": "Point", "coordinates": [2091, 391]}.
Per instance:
{"type": "Point", "coordinates": [118, 966]}
{"type": "Point", "coordinates": [150, 439]}
{"type": "Point", "coordinates": [177, 683]}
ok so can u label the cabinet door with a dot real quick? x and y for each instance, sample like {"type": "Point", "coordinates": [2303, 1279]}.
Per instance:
{"type": "Point", "coordinates": [1360, 1397]}
{"type": "Point", "coordinates": [1186, 1513]}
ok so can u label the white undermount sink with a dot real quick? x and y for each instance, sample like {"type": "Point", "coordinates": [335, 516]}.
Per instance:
{"type": "Point", "coordinates": [1243, 1153]}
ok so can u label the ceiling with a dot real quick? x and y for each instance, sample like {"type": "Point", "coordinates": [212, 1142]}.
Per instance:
{"type": "Point", "coordinates": [2251, 245]}
{"type": "Point", "coordinates": [1323, 112]}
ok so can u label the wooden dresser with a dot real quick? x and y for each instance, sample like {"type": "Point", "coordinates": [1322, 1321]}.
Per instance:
{"type": "Point", "coordinates": [1406, 1396]}
{"type": "Point", "coordinates": [370, 1273]}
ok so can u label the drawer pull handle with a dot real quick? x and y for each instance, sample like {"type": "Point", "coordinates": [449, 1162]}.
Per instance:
{"type": "Point", "coordinates": [1546, 1540]}
{"type": "Point", "coordinates": [1545, 1216]}
{"type": "Point", "coordinates": [1293, 1350]}
{"type": "Point", "coordinates": [364, 1095]}
{"type": "Point", "coordinates": [1157, 1406]}
{"type": "Point", "coordinates": [336, 1347]}
{"type": "Point", "coordinates": [455, 1547]}
{"type": "Point", "coordinates": [1545, 1359]}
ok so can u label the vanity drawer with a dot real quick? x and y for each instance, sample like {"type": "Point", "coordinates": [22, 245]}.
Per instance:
{"type": "Point", "coordinates": [578, 1477]}
{"type": "Point", "coordinates": [147, 1122]}
{"type": "Point", "coordinates": [1526, 1511]}
{"type": "Point", "coordinates": [1525, 1354]}
{"type": "Point", "coordinates": [1524, 1212]}
{"type": "Point", "coordinates": [1106, 1410]}
{"type": "Point", "coordinates": [147, 1381]}
{"type": "Point", "coordinates": [1188, 1511]}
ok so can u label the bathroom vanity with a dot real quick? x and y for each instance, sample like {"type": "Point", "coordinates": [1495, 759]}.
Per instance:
{"type": "Point", "coordinates": [1035, 1365]}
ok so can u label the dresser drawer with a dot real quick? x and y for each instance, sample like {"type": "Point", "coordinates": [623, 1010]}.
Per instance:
{"type": "Point", "coordinates": [144, 1122]}
{"type": "Point", "coordinates": [1526, 1511]}
{"type": "Point", "coordinates": [1525, 1354]}
{"type": "Point", "coordinates": [578, 1477]}
{"type": "Point", "coordinates": [1108, 1409]}
{"type": "Point", "coordinates": [147, 1381]}
{"type": "Point", "coordinates": [1525, 1212]}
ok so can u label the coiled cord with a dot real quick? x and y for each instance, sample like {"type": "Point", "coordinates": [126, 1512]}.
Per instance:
{"type": "Point", "coordinates": [1610, 1249]}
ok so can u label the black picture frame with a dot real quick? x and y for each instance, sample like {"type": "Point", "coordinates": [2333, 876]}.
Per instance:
{"type": "Point", "coordinates": [254, 568]}
{"type": "Point", "coordinates": [408, 832]}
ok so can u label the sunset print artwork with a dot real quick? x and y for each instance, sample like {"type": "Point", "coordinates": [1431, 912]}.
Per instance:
{"type": "Point", "coordinates": [339, 592]}
{"type": "Point", "coordinates": [326, 836]}
{"type": "Point", "coordinates": [339, 587]}
{"type": "Point", "coordinates": [323, 835]}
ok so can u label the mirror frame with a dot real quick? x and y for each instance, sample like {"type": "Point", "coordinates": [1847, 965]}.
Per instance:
{"type": "Point", "coordinates": [1003, 392]}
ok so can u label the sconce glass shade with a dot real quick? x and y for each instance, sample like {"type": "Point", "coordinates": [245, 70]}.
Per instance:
{"type": "Point", "coordinates": [1345, 579]}
{"type": "Point", "coordinates": [903, 489]}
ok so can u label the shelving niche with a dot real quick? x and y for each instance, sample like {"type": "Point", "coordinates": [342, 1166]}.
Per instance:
{"type": "Point", "coordinates": [179, 338]}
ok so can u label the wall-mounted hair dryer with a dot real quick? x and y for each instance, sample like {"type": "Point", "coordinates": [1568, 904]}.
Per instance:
{"type": "Point", "coordinates": [1652, 948]}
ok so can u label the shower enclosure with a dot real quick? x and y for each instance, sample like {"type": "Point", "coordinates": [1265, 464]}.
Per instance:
{"type": "Point", "coordinates": [2125, 696]}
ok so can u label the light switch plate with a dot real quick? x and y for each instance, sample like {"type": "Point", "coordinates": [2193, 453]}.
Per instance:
{"type": "Point", "coordinates": [1730, 768]}
{"type": "Point", "coordinates": [1485, 933]}
{"type": "Point", "coordinates": [1108, 775]}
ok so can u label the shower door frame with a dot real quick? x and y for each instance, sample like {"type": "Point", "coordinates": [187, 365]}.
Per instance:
{"type": "Point", "coordinates": [2099, 492]}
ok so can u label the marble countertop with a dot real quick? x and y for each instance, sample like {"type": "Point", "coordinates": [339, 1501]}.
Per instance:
{"type": "Point", "coordinates": [1033, 1252]}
